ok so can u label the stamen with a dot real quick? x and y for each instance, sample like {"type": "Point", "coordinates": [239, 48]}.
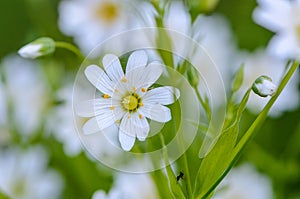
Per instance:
{"type": "Point", "coordinates": [144, 90]}
{"type": "Point", "coordinates": [106, 96]}
{"type": "Point", "coordinates": [140, 116]}
{"type": "Point", "coordinates": [112, 108]}
{"type": "Point", "coordinates": [141, 104]}
{"type": "Point", "coordinates": [129, 116]}
{"type": "Point", "coordinates": [118, 121]}
{"type": "Point", "coordinates": [134, 89]}
{"type": "Point", "coordinates": [124, 80]}
{"type": "Point", "coordinates": [116, 90]}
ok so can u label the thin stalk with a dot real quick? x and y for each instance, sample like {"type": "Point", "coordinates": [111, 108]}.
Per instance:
{"type": "Point", "coordinates": [70, 47]}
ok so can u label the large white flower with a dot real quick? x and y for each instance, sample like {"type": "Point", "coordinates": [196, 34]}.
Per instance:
{"type": "Point", "coordinates": [91, 22]}
{"type": "Point", "coordinates": [283, 18]}
{"type": "Point", "coordinates": [245, 182]}
{"type": "Point", "coordinates": [24, 174]}
{"type": "Point", "coordinates": [127, 98]}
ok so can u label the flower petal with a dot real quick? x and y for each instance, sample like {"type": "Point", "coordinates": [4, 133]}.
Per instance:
{"type": "Point", "coordinates": [93, 107]}
{"type": "Point", "coordinates": [162, 95]}
{"type": "Point", "coordinates": [113, 67]}
{"type": "Point", "coordinates": [126, 141]}
{"type": "Point", "coordinates": [99, 79]}
{"type": "Point", "coordinates": [144, 77]}
{"type": "Point", "coordinates": [156, 112]}
{"type": "Point", "coordinates": [136, 59]}
{"type": "Point", "coordinates": [98, 123]}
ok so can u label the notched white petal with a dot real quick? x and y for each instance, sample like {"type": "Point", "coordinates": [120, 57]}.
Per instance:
{"type": "Point", "coordinates": [163, 95]}
{"type": "Point", "coordinates": [85, 108]}
{"type": "Point", "coordinates": [136, 59]}
{"type": "Point", "coordinates": [91, 126]}
{"type": "Point", "coordinates": [126, 141]}
{"type": "Point", "coordinates": [156, 112]}
{"type": "Point", "coordinates": [99, 79]}
{"type": "Point", "coordinates": [113, 67]}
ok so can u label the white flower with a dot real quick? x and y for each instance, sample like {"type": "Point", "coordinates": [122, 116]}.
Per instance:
{"type": "Point", "coordinates": [24, 175]}
{"type": "Point", "coordinates": [263, 86]}
{"type": "Point", "coordinates": [283, 18]}
{"type": "Point", "coordinates": [133, 186]}
{"type": "Point", "coordinates": [91, 22]}
{"type": "Point", "coordinates": [127, 98]}
{"type": "Point", "coordinates": [61, 124]}
{"type": "Point", "coordinates": [217, 49]}
{"type": "Point", "coordinates": [260, 63]}
{"type": "Point", "coordinates": [37, 48]}
{"type": "Point", "coordinates": [245, 182]}
{"type": "Point", "coordinates": [27, 93]}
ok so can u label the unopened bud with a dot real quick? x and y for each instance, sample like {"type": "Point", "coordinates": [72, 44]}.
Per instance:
{"type": "Point", "coordinates": [264, 87]}
{"type": "Point", "coordinates": [37, 48]}
{"type": "Point", "coordinates": [193, 76]}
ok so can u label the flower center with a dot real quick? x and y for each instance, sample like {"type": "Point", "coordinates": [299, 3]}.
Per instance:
{"type": "Point", "coordinates": [107, 12]}
{"type": "Point", "coordinates": [130, 102]}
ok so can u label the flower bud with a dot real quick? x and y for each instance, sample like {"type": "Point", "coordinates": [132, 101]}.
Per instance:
{"type": "Point", "coordinates": [193, 76]}
{"type": "Point", "coordinates": [40, 47]}
{"type": "Point", "coordinates": [263, 86]}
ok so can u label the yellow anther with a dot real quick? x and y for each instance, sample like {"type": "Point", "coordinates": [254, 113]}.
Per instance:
{"type": "Point", "coordinates": [140, 116]}
{"type": "Point", "coordinates": [124, 79]}
{"type": "Point", "coordinates": [134, 88]}
{"type": "Point", "coordinates": [141, 104]}
{"type": "Point", "coordinates": [118, 121]}
{"type": "Point", "coordinates": [144, 90]}
{"type": "Point", "coordinates": [116, 90]}
{"type": "Point", "coordinates": [106, 96]}
{"type": "Point", "coordinates": [112, 108]}
{"type": "Point", "coordinates": [129, 116]}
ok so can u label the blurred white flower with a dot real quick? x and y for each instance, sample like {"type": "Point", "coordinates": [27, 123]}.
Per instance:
{"type": "Point", "coordinates": [260, 63]}
{"type": "Point", "coordinates": [130, 186]}
{"type": "Point", "coordinates": [39, 47]}
{"type": "Point", "coordinates": [61, 122]}
{"type": "Point", "coordinates": [127, 98]}
{"type": "Point", "coordinates": [217, 49]}
{"type": "Point", "coordinates": [27, 93]}
{"type": "Point", "coordinates": [91, 22]}
{"type": "Point", "coordinates": [24, 175]}
{"type": "Point", "coordinates": [245, 182]}
{"type": "Point", "coordinates": [283, 18]}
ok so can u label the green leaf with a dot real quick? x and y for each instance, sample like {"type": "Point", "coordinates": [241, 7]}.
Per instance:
{"type": "Point", "coordinates": [238, 79]}
{"type": "Point", "coordinates": [3, 196]}
{"type": "Point", "coordinates": [219, 158]}
{"type": "Point", "coordinates": [174, 185]}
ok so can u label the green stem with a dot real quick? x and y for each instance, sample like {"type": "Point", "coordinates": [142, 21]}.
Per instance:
{"type": "Point", "coordinates": [70, 47]}
{"type": "Point", "coordinates": [204, 105]}
{"type": "Point", "coordinates": [255, 126]}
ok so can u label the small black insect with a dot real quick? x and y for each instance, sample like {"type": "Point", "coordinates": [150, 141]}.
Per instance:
{"type": "Point", "coordinates": [180, 176]}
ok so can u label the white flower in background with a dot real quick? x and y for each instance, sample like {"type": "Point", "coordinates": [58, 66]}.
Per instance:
{"type": "Point", "coordinates": [219, 48]}
{"type": "Point", "coordinates": [127, 99]}
{"type": "Point", "coordinates": [283, 18]}
{"type": "Point", "coordinates": [245, 182]}
{"type": "Point", "coordinates": [260, 63]}
{"type": "Point", "coordinates": [91, 22]}
{"type": "Point", "coordinates": [61, 123]}
{"type": "Point", "coordinates": [133, 186]}
{"type": "Point", "coordinates": [24, 175]}
{"type": "Point", "coordinates": [26, 91]}
{"type": "Point", "coordinates": [264, 87]}
{"type": "Point", "coordinates": [40, 47]}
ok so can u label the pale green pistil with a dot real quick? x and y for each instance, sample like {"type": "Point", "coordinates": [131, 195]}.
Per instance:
{"type": "Point", "coordinates": [130, 102]}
